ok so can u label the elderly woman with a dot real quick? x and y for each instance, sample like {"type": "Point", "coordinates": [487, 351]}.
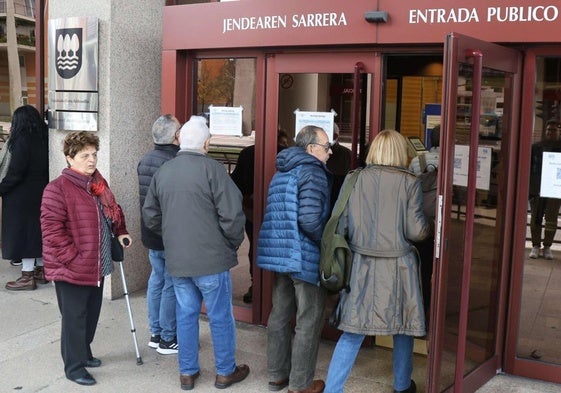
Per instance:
{"type": "Point", "coordinates": [79, 215]}
{"type": "Point", "coordinates": [383, 216]}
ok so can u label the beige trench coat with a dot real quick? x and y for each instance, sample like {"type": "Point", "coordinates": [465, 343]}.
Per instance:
{"type": "Point", "coordinates": [384, 214]}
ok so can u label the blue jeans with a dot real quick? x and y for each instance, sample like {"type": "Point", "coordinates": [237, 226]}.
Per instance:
{"type": "Point", "coordinates": [287, 357]}
{"type": "Point", "coordinates": [160, 297]}
{"type": "Point", "coordinates": [346, 352]}
{"type": "Point", "coordinates": [216, 291]}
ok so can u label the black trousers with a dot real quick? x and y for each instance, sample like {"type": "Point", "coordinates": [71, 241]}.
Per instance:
{"type": "Point", "coordinates": [249, 231]}
{"type": "Point", "coordinates": [79, 306]}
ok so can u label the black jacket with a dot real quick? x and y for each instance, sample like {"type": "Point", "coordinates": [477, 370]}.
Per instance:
{"type": "Point", "coordinates": [21, 191]}
{"type": "Point", "coordinates": [147, 166]}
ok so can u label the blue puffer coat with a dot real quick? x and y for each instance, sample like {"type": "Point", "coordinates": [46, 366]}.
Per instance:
{"type": "Point", "coordinates": [297, 210]}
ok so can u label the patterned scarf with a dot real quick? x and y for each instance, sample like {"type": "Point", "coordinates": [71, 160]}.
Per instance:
{"type": "Point", "coordinates": [100, 188]}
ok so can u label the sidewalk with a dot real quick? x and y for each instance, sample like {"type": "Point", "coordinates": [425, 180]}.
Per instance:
{"type": "Point", "coordinates": [30, 353]}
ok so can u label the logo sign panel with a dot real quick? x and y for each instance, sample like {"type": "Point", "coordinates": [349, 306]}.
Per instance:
{"type": "Point", "coordinates": [68, 52]}
{"type": "Point", "coordinates": [73, 73]}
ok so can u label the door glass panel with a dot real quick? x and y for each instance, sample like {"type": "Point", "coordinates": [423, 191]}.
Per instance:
{"type": "Point", "coordinates": [326, 92]}
{"type": "Point", "coordinates": [323, 92]}
{"type": "Point", "coordinates": [488, 222]}
{"type": "Point", "coordinates": [232, 82]}
{"type": "Point", "coordinates": [539, 336]}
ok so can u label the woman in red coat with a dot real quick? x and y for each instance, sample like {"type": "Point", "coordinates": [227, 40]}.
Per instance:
{"type": "Point", "coordinates": [79, 215]}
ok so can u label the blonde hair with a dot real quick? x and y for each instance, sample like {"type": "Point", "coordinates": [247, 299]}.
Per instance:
{"type": "Point", "coordinates": [389, 147]}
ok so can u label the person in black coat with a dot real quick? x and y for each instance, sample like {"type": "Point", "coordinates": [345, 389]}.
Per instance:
{"type": "Point", "coordinates": [21, 191]}
{"type": "Point", "coordinates": [243, 177]}
{"type": "Point", "coordinates": [339, 163]}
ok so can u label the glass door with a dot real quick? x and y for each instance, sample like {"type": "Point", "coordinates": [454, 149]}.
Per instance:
{"type": "Point", "coordinates": [232, 81]}
{"type": "Point", "coordinates": [475, 215]}
{"type": "Point", "coordinates": [315, 82]}
{"type": "Point", "coordinates": [533, 345]}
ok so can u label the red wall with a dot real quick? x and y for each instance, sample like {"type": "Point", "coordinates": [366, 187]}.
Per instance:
{"type": "Point", "coordinates": [262, 23]}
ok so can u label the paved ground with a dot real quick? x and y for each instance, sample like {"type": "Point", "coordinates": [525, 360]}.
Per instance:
{"type": "Point", "coordinates": [30, 355]}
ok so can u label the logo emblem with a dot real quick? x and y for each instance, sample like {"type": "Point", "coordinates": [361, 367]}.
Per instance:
{"type": "Point", "coordinates": [68, 52]}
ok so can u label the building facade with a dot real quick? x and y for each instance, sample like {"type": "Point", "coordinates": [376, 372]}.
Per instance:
{"type": "Point", "coordinates": [17, 55]}
{"type": "Point", "coordinates": [489, 75]}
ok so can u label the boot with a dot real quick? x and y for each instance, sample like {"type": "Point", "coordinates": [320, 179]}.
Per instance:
{"type": "Point", "coordinates": [25, 283]}
{"type": "Point", "coordinates": [39, 275]}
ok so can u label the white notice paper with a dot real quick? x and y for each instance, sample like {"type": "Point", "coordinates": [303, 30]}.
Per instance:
{"type": "Point", "coordinates": [551, 175]}
{"type": "Point", "coordinates": [319, 119]}
{"type": "Point", "coordinates": [461, 162]}
{"type": "Point", "coordinates": [225, 120]}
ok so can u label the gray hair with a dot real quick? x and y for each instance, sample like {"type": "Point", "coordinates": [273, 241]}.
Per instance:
{"type": "Point", "coordinates": [164, 129]}
{"type": "Point", "coordinates": [307, 135]}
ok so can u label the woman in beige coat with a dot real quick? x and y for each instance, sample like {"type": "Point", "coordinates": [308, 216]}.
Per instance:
{"type": "Point", "coordinates": [383, 216]}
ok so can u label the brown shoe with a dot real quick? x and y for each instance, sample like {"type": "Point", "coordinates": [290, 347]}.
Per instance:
{"type": "Point", "coordinates": [315, 387]}
{"type": "Point", "coordinates": [39, 275]}
{"type": "Point", "coordinates": [25, 283]}
{"type": "Point", "coordinates": [275, 386]}
{"type": "Point", "coordinates": [188, 381]}
{"type": "Point", "coordinates": [239, 374]}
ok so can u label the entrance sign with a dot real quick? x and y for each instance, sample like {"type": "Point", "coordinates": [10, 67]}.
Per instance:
{"type": "Point", "coordinates": [73, 73]}
{"type": "Point", "coordinates": [461, 160]}
{"type": "Point", "coordinates": [324, 120]}
{"type": "Point", "coordinates": [551, 175]}
{"type": "Point", "coordinates": [257, 23]}
{"type": "Point", "coordinates": [225, 120]}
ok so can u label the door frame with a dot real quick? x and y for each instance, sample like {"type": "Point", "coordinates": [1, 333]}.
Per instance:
{"type": "Point", "coordinates": [316, 61]}
{"type": "Point", "coordinates": [499, 58]}
{"type": "Point", "coordinates": [513, 364]}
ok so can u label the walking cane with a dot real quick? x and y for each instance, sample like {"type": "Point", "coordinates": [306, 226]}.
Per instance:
{"type": "Point", "coordinates": [133, 330]}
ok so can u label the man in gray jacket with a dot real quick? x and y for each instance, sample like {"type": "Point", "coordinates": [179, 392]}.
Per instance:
{"type": "Point", "coordinates": [197, 209]}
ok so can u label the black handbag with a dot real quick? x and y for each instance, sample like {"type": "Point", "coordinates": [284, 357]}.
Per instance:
{"type": "Point", "coordinates": [117, 252]}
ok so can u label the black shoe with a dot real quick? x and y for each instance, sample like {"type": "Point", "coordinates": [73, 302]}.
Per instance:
{"type": "Point", "coordinates": [87, 380]}
{"type": "Point", "coordinates": [411, 389]}
{"type": "Point", "coordinates": [168, 347]}
{"type": "Point", "coordinates": [154, 341]}
{"type": "Point", "coordinates": [248, 297]}
{"type": "Point", "coordinates": [93, 362]}
{"type": "Point", "coordinates": [15, 262]}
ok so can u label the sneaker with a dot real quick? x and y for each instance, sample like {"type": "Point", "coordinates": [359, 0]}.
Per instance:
{"type": "Point", "coordinates": [168, 347]}
{"type": "Point", "coordinates": [535, 252]}
{"type": "Point", "coordinates": [547, 254]}
{"type": "Point", "coordinates": [154, 341]}
{"type": "Point", "coordinates": [16, 262]}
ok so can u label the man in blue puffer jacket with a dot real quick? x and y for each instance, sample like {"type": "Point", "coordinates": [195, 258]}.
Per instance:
{"type": "Point", "coordinates": [289, 239]}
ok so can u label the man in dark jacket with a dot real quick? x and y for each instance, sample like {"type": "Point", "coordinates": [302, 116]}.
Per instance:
{"type": "Point", "coordinates": [243, 177]}
{"type": "Point", "coordinates": [543, 208]}
{"type": "Point", "coordinates": [339, 164]}
{"type": "Point", "coordinates": [298, 207]}
{"type": "Point", "coordinates": [159, 294]}
{"type": "Point", "coordinates": [197, 208]}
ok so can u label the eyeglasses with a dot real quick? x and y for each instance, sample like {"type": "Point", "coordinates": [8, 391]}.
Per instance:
{"type": "Point", "coordinates": [326, 146]}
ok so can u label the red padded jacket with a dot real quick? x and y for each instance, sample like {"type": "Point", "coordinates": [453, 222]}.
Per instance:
{"type": "Point", "coordinates": [70, 225]}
